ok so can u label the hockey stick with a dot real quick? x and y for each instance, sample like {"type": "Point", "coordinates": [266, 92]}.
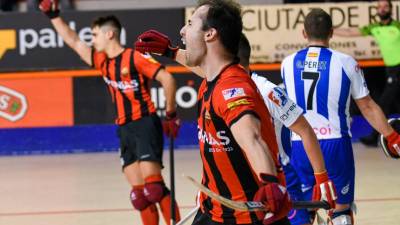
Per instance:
{"type": "Point", "coordinates": [172, 179]}
{"type": "Point", "coordinates": [256, 206]}
{"type": "Point", "coordinates": [188, 216]}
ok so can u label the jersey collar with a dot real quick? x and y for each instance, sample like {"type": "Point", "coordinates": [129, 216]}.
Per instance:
{"type": "Point", "coordinates": [234, 62]}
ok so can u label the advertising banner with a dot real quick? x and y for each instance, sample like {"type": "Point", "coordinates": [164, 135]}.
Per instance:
{"type": "Point", "coordinates": [29, 42]}
{"type": "Point", "coordinates": [275, 31]}
{"type": "Point", "coordinates": [36, 103]}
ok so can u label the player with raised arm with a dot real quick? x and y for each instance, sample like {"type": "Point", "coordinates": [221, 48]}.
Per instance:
{"type": "Point", "coordinates": [386, 32]}
{"type": "Point", "coordinates": [321, 81]}
{"type": "Point", "coordinates": [234, 128]}
{"type": "Point", "coordinates": [284, 112]}
{"type": "Point", "coordinates": [127, 74]}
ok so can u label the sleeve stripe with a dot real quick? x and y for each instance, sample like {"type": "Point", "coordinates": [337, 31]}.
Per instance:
{"type": "Point", "coordinates": [252, 112]}
{"type": "Point", "coordinates": [156, 72]}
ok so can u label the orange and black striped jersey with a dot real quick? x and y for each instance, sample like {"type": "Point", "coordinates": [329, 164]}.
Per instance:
{"type": "Point", "coordinates": [226, 169]}
{"type": "Point", "coordinates": [127, 77]}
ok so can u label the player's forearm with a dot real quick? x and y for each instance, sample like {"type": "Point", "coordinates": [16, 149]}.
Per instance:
{"type": "Point", "coordinates": [69, 36]}
{"type": "Point", "coordinates": [347, 32]}
{"type": "Point", "coordinates": [310, 143]}
{"type": "Point", "coordinates": [260, 157]}
{"type": "Point", "coordinates": [375, 116]}
{"type": "Point", "coordinates": [181, 59]}
{"type": "Point", "coordinates": [247, 133]}
{"type": "Point", "coordinates": [169, 86]}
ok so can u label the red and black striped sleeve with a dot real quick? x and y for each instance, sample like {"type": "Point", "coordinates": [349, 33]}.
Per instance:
{"type": "Point", "coordinates": [147, 65]}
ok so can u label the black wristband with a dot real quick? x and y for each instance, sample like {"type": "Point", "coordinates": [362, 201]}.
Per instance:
{"type": "Point", "coordinates": [267, 178]}
{"type": "Point", "coordinates": [171, 52]}
{"type": "Point", "coordinates": [53, 14]}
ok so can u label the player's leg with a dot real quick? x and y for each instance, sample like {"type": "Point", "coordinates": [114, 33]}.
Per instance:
{"type": "Point", "coordinates": [293, 185]}
{"type": "Point", "coordinates": [130, 164]}
{"type": "Point", "coordinates": [339, 161]}
{"type": "Point", "coordinates": [148, 210]}
{"type": "Point", "coordinates": [305, 178]}
{"type": "Point", "coordinates": [341, 171]}
{"type": "Point", "coordinates": [150, 149]}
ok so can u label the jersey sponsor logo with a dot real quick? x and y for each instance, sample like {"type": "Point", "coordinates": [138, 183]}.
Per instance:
{"type": "Point", "coordinates": [220, 140]}
{"type": "Point", "coordinates": [13, 105]}
{"type": "Point", "coordinates": [278, 97]}
{"type": "Point", "coordinates": [287, 114]}
{"type": "Point", "coordinates": [234, 104]}
{"type": "Point", "coordinates": [324, 130]}
{"type": "Point", "coordinates": [320, 65]}
{"type": "Point", "coordinates": [8, 41]}
{"type": "Point", "coordinates": [233, 93]}
{"type": "Point", "coordinates": [123, 85]}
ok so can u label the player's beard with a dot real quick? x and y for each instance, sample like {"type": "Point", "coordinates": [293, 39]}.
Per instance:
{"type": "Point", "coordinates": [385, 16]}
{"type": "Point", "coordinates": [195, 55]}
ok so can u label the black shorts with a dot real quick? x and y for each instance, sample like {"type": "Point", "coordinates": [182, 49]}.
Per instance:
{"type": "Point", "coordinates": [141, 140]}
{"type": "Point", "coordinates": [203, 219]}
{"type": "Point", "coordinates": [393, 73]}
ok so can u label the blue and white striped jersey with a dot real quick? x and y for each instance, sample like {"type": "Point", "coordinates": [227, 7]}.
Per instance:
{"type": "Point", "coordinates": [284, 112]}
{"type": "Point", "coordinates": [321, 81]}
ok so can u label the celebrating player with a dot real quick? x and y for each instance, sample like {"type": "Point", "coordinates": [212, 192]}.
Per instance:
{"type": "Point", "coordinates": [238, 154]}
{"type": "Point", "coordinates": [321, 81]}
{"type": "Point", "coordinates": [283, 111]}
{"type": "Point", "coordinates": [127, 73]}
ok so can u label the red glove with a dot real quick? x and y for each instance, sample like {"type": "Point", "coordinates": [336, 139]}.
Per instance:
{"type": "Point", "coordinates": [171, 124]}
{"type": "Point", "coordinates": [275, 197]}
{"type": "Point", "coordinates": [394, 143]}
{"type": "Point", "coordinates": [50, 8]}
{"type": "Point", "coordinates": [155, 42]}
{"type": "Point", "coordinates": [324, 189]}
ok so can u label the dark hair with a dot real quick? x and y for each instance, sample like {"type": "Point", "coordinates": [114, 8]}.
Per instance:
{"type": "Point", "coordinates": [244, 51]}
{"type": "Point", "coordinates": [318, 24]}
{"type": "Point", "coordinates": [111, 21]}
{"type": "Point", "coordinates": [225, 17]}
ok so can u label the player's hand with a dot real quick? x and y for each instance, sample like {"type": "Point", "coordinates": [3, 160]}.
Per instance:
{"type": "Point", "coordinates": [275, 197]}
{"type": "Point", "coordinates": [324, 189]}
{"type": "Point", "coordinates": [394, 143]}
{"type": "Point", "coordinates": [171, 124]}
{"type": "Point", "coordinates": [155, 42]}
{"type": "Point", "coordinates": [50, 8]}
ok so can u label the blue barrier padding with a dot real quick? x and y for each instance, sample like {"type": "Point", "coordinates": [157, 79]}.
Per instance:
{"type": "Point", "coordinates": [76, 139]}
{"type": "Point", "coordinates": [102, 138]}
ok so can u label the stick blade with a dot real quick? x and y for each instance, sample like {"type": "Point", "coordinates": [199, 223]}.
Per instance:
{"type": "Point", "coordinates": [236, 205]}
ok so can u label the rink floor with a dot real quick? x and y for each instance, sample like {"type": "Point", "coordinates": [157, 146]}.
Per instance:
{"type": "Point", "coordinates": [89, 189]}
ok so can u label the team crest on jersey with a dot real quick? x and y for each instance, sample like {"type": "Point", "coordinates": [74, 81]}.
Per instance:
{"type": "Point", "coordinates": [278, 97]}
{"type": "Point", "coordinates": [233, 93]}
{"type": "Point", "coordinates": [207, 115]}
{"type": "Point", "coordinates": [125, 71]}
